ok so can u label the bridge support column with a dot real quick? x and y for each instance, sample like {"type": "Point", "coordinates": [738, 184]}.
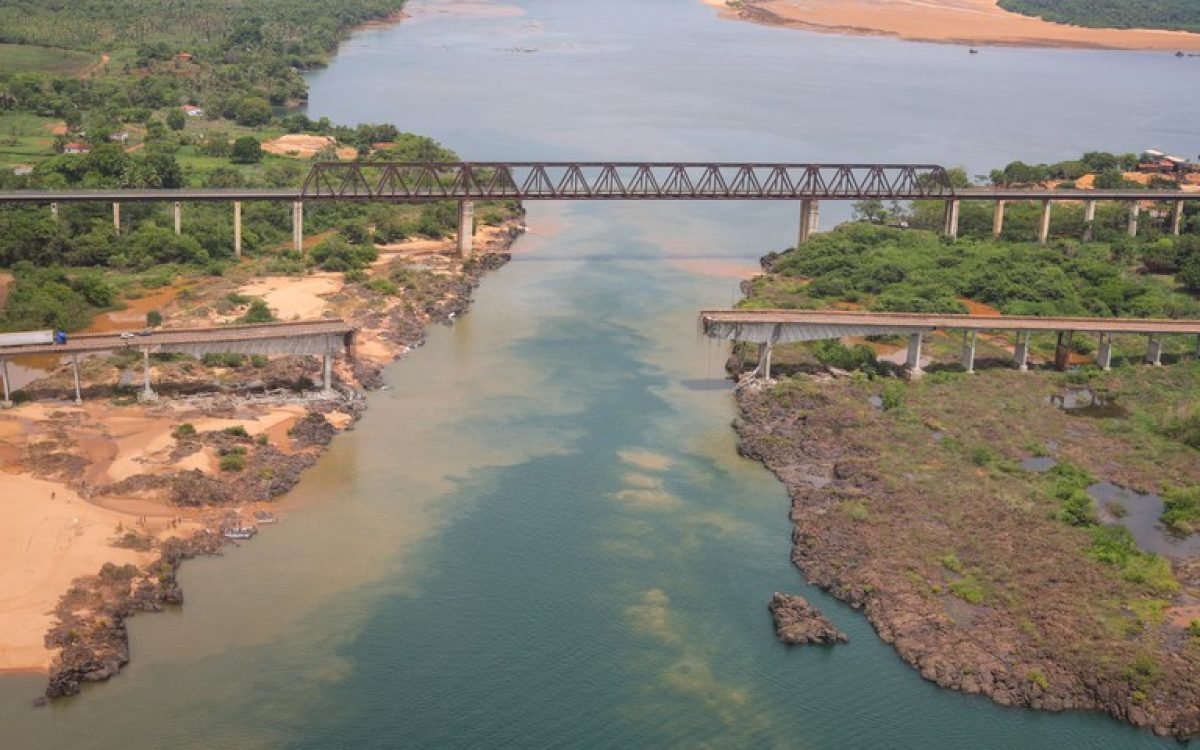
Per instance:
{"type": "Point", "coordinates": [327, 379]}
{"type": "Point", "coordinates": [1021, 353]}
{"type": "Point", "coordinates": [1062, 351]}
{"type": "Point", "coordinates": [1104, 353]}
{"type": "Point", "coordinates": [466, 228]}
{"type": "Point", "coordinates": [237, 228]}
{"type": "Point", "coordinates": [810, 218]}
{"type": "Point", "coordinates": [117, 217]}
{"type": "Point", "coordinates": [7, 402]}
{"type": "Point", "coordinates": [968, 352]}
{"type": "Point", "coordinates": [1154, 353]}
{"type": "Point", "coordinates": [178, 217]}
{"type": "Point", "coordinates": [913, 362]}
{"type": "Point", "coordinates": [998, 220]}
{"type": "Point", "coordinates": [148, 393]}
{"type": "Point", "coordinates": [54, 211]}
{"type": "Point", "coordinates": [950, 220]}
{"type": "Point", "coordinates": [298, 226]}
{"type": "Point", "coordinates": [1044, 223]}
{"type": "Point", "coordinates": [1089, 219]}
{"type": "Point", "coordinates": [764, 361]}
{"type": "Point", "coordinates": [1177, 218]}
{"type": "Point", "coordinates": [1135, 209]}
{"type": "Point", "coordinates": [75, 370]}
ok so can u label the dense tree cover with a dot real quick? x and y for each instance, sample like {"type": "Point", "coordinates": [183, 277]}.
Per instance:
{"type": "Point", "coordinates": [1118, 14]}
{"type": "Point", "coordinates": [905, 270]}
{"type": "Point", "coordinates": [54, 298]}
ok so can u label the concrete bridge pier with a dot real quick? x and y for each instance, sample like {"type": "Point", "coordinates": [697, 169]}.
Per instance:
{"type": "Point", "coordinates": [1177, 218]}
{"type": "Point", "coordinates": [1154, 352]}
{"type": "Point", "coordinates": [298, 226]}
{"type": "Point", "coordinates": [117, 217]}
{"type": "Point", "coordinates": [54, 211]}
{"type": "Point", "coordinates": [763, 369]}
{"type": "Point", "coordinates": [147, 393]}
{"type": "Point", "coordinates": [950, 220]}
{"type": "Point", "coordinates": [1044, 223]}
{"type": "Point", "coordinates": [912, 362]}
{"type": "Point", "coordinates": [1104, 354]}
{"type": "Point", "coordinates": [968, 353]}
{"type": "Point", "coordinates": [7, 402]}
{"type": "Point", "coordinates": [1089, 219]}
{"type": "Point", "coordinates": [178, 217]}
{"type": "Point", "coordinates": [466, 228]}
{"type": "Point", "coordinates": [810, 218]}
{"type": "Point", "coordinates": [327, 375]}
{"type": "Point", "coordinates": [1135, 209]}
{"type": "Point", "coordinates": [1021, 352]}
{"type": "Point", "coordinates": [75, 371]}
{"type": "Point", "coordinates": [998, 220]}
{"type": "Point", "coordinates": [237, 228]}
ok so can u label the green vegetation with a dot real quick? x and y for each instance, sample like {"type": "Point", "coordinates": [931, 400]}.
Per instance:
{"type": "Point", "coordinates": [54, 297]}
{"type": "Point", "coordinates": [336, 254]}
{"type": "Point", "coordinates": [236, 431]}
{"type": "Point", "coordinates": [896, 270]}
{"type": "Point", "coordinates": [1069, 485]}
{"type": "Point", "coordinates": [968, 588]}
{"type": "Point", "coordinates": [1181, 509]}
{"type": "Point", "coordinates": [184, 431]}
{"type": "Point", "coordinates": [233, 461]}
{"type": "Point", "coordinates": [1037, 677]}
{"type": "Point", "coordinates": [20, 58]}
{"type": "Point", "coordinates": [1180, 15]}
{"type": "Point", "coordinates": [1115, 546]}
{"type": "Point", "coordinates": [258, 312]}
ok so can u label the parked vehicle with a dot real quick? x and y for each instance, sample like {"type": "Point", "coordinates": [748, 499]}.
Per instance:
{"type": "Point", "coordinates": [26, 338]}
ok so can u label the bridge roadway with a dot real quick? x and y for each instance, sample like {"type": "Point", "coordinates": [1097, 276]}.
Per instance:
{"type": "Point", "coordinates": [769, 327]}
{"type": "Point", "coordinates": [312, 337]}
{"type": "Point", "coordinates": [466, 182]}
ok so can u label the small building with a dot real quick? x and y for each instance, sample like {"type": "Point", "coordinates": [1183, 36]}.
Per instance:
{"type": "Point", "coordinates": [183, 56]}
{"type": "Point", "coordinates": [192, 110]}
{"type": "Point", "coordinates": [121, 137]}
{"type": "Point", "coordinates": [77, 148]}
{"type": "Point", "coordinates": [21, 170]}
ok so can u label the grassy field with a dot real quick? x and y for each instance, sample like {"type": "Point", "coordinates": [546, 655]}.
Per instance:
{"type": "Point", "coordinates": [22, 58]}
{"type": "Point", "coordinates": [25, 139]}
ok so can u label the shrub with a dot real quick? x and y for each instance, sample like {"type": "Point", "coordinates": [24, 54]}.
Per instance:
{"type": "Point", "coordinates": [233, 462]}
{"type": "Point", "coordinates": [184, 431]}
{"type": "Point", "coordinates": [969, 589]}
{"type": "Point", "coordinates": [154, 319]}
{"type": "Point", "coordinates": [236, 431]}
{"type": "Point", "coordinates": [1037, 677]}
{"type": "Point", "coordinates": [258, 312]}
{"type": "Point", "coordinates": [1181, 509]}
{"type": "Point", "coordinates": [335, 254]}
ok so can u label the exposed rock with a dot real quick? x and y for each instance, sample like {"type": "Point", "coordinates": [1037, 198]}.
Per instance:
{"type": "Point", "coordinates": [797, 622]}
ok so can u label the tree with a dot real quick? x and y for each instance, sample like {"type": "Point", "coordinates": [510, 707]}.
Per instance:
{"type": "Point", "coordinates": [176, 119]}
{"type": "Point", "coordinates": [253, 111]}
{"type": "Point", "coordinates": [246, 150]}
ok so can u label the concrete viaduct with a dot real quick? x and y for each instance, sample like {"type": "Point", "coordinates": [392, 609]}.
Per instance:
{"type": "Point", "coordinates": [324, 338]}
{"type": "Point", "coordinates": [770, 327]}
{"type": "Point", "coordinates": [467, 182]}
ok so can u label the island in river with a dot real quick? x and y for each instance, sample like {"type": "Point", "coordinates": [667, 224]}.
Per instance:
{"type": "Point", "coordinates": [969, 22]}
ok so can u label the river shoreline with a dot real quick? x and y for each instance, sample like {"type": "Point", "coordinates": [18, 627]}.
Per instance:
{"type": "Point", "coordinates": [978, 23]}
{"type": "Point", "coordinates": [163, 492]}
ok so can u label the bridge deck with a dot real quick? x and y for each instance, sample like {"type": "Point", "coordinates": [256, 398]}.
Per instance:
{"type": "Point", "coordinates": [805, 325]}
{"type": "Point", "coordinates": [186, 339]}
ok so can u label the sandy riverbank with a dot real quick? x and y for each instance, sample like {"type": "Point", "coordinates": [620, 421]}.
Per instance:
{"type": "Point", "coordinates": [970, 22]}
{"type": "Point", "coordinates": [74, 479]}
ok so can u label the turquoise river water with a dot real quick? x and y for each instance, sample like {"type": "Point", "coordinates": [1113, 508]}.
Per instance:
{"type": "Point", "coordinates": [541, 535]}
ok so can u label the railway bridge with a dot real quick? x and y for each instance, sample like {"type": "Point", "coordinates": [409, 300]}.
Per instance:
{"type": "Point", "coordinates": [467, 182]}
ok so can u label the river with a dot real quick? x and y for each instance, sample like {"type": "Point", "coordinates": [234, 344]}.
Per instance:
{"type": "Point", "coordinates": [541, 535]}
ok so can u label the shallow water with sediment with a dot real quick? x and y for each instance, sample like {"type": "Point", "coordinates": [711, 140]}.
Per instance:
{"type": "Point", "coordinates": [541, 534]}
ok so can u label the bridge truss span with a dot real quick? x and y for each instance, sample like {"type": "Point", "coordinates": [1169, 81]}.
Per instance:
{"type": "Point", "coordinates": [433, 181]}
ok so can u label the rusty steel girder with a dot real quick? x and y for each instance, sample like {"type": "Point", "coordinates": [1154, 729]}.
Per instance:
{"type": "Point", "coordinates": [426, 181]}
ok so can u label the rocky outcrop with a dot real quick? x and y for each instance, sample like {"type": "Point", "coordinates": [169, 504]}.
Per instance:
{"type": "Point", "coordinates": [797, 622]}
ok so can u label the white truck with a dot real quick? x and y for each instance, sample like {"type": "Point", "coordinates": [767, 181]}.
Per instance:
{"type": "Point", "coordinates": [25, 338]}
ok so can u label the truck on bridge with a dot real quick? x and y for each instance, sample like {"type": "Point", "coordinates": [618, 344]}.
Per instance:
{"type": "Point", "coordinates": [25, 338]}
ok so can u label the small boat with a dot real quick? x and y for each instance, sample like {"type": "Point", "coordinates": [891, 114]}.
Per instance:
{"type": "Point", "coordinates": [240, 532]}
{"type": "Point", "coordinates": [973, 51]}
{"type": "Point", "coordinates": [263, 516]}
